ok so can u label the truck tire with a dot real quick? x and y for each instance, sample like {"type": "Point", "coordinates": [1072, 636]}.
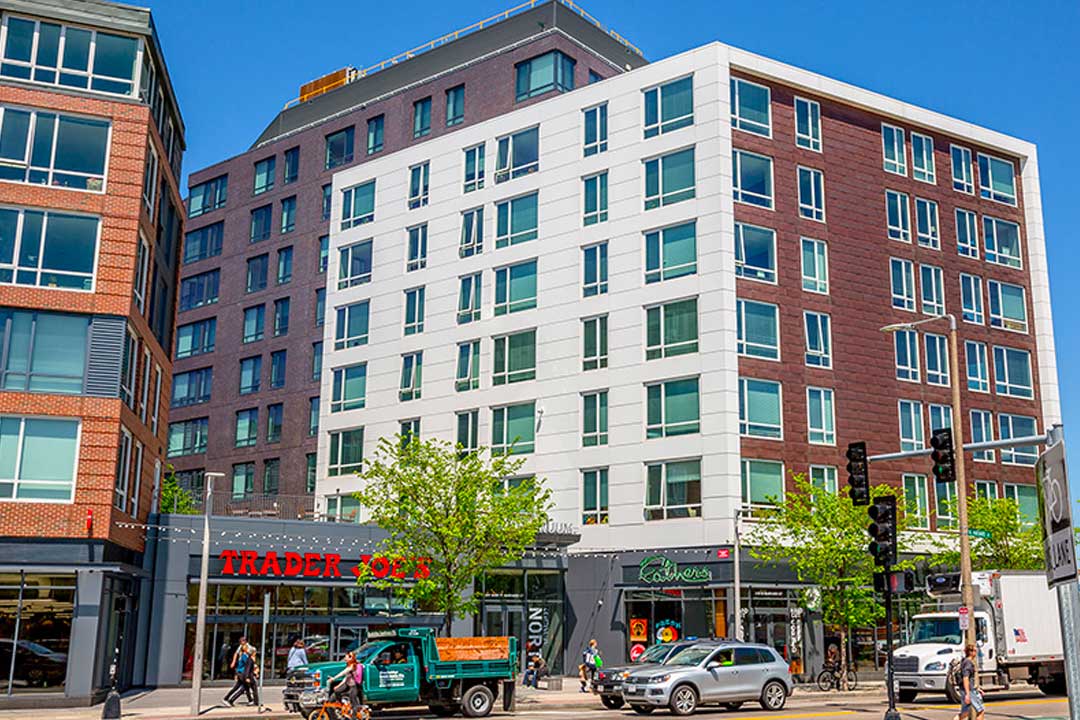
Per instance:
{"type": "Point", "coordinates": [612, 702]}
{"type": "Point", "coordinates": [477, 702]}
{"type": "Point", "coordinates": [444, 710]}
{"type": "Point", "coordinates": [951, 692]}
{"type": "Point", "coordinates": [906, 696]}
{"type": "Point", "coordinates": [1055, 686]}
{"type": "Point", "coordinates": [642, 709]}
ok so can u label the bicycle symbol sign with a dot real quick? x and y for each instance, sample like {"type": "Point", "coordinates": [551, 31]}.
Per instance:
{"type": "Point", "coordinates": [1056, 516]}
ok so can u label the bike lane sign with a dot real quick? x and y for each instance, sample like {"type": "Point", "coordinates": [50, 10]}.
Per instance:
{"type": "Point", "coordinates": [1055, 511]}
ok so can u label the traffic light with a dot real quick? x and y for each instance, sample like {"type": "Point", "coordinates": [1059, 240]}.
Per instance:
{"type": "Point", "coordinates": [882, 530]}
{"type": "Point", "coordinates": [898, 582]}
{"type": "Point", "coordinates": [858, 473]}
{"type": "Point", "coordinates": [944, 458]}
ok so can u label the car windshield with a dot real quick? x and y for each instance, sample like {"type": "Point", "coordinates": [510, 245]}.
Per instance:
{"type": "Point", "coordinates": [691, 656]}
{"type": "Point", "coordinates": [937, 630]}
{"type": "Point", "coordinates": [654, 654]}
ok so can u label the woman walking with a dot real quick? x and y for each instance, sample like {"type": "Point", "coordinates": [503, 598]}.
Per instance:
{"type": "Point", "coordinates": [240, 665]}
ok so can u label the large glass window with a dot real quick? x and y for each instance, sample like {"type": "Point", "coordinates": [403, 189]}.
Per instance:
{"type": "Point", "coordinates": [254, 323]}
{"type": "Point", "coordinates": [550, 71]}
{"type": "Point", "coordinates": [755, 252]}
{"type": "Point", "coordinates": [351, 328]}
{"type": "Point", "coordinates": [902, 278]}
{"type": "Point", "coordinates": [199, 290]}
{"type": "Point", "coordinates": [288, 214]}
{"type": "Point", "coordinates": [916, 504]}
{"type": "Point", "coordinates": [207, 196]}
{"type": "Point", "coordinates": [515, 288]}
{"type": "Point", "coordinates": [922, 158]}
{"type": "Point", "coordinates": [997, 179]}
{"type": "Point", "coordinates": [515, 221]}
{"type": "Point", "coordinates": [474, 168]}
{"type": "Point", "coordinates": [669, 179]}
{"type": "Point", "coordinates": [932, 283]}
{"type": "Point", "coordinates": [967, 233]}
{"type": "Point", "coordinates": [339, 147]}
{"type": "Point", "coordinates": [1026, 498]}
{"type": "Point", "coordinates": [196, 338]}
{"type": "Point", "coordinates": [36, 619]}
{"type": "Point", "coordinates": [595, 336]}
{"type": "Point", "coordinates": [971, 298]}
{"type": "Point", "coordinates": [514, 358]}
{"type": "Point", "coordinates": [468, 366]}
{"type": "Point", "coordinates": [346, 452]}
{"type": "Point", "coordinates": [374, 134]}
{"type": "Point", "coordinates": [926, 224]}
{"type": "Point", "coordinates": [594, 500]}
{"type": "Point", "coordinates": [193, 387]}
{"type": "Point", "coordinates": [808, 124]}
{"type": "Point", "coordinates": [204, 242]}
{"type": "Point", "coordinates": [247, 427]}
{"type": "Point", "coordinates": [262, 219]}
{"type": "Point", "coordinates": [671, 329]}
{"type": "Point", "coordinates": [812, 194]}
{"type": "Point", "coordinates": [243, 480]}
{"type": "Point", "coordinates": [455, 105]}
{"type": "Point", "coordinates": [892, 144]}
{"type": "Point", "coordinates": [416, 247]}
{"type": "Point", "coordinates": [37, 458]}
{"type": "Point", "coordinates": [48, 249]}
{"type": "Point", "coordinates": [278, 362]}
{"type": "Point", "coordinates": [898, 216]}
{"type": "Point", "coordinates": [250, 375]}
{"type": "Point", "coordinates": [673, 490]}
{"type": "Point", "coordinates": [513, 429]}
{"type": "Point", "coordinates": [596, 129]}
{"type": "Point", "coordinates": [821, 416]}
{"type": "Point", "coordinates": [188, 437]}
{"type": "Point", "coordinates": [472, 233]}
{"type": "Point", "coordinates": [419, 178]}
{"type": "Point", "coordinates": [815, 266]}
{"type": "Point", "coordinates": [982, 430]}
{"type": "Point", "coordinates": [911, 426]}
{"type": "Point", "coordinates": [596, 198]}
{"type": "Point", "coordinates": [669, 106]}
{"type": "Point", "coordinates": [257, 269]}
{"type": "Point", "coordinates": [978, 372]}
{"type": "Point", "coordinates": [1008, 308]}
{"type": "Point", "coordinates": [671, 252]}
{"type": "Point", "coordinates": [468, 430]}
{"type": "Point", "coordinates": [349, 388]}
{"type": "Point", "coordinates": [818, 339]}
{"type": "Point", "coordinates": [594, 415]}
{"type": "Point", "coordinates": [758, 329]}
{"type": "Point", "coordinates": [762, 483]}
{"type": "Point", "coordinates": [414, 311]}
{"type": "Point", "coordinates": [1012, 372]}
{"type": "Point", "coordinates": [518, 154]}
{"type": "Point", "coordinates": [358, 205]}
{"type": "Point", "coordinates": [750, 107]}
{"type": "Point", "coordinates": [1018, 426]}
{"type": "Point", "coordinates": [673, 408]}
{"type": "Point", "coordinates": [962, 178]}
{"type": "Point", "coordinates": [595, 265]}
{"type": "Point", "coordinates": [937, 359]}
{"type": "Point", "coordinates": [759, 409]}
{"type": "Point", "coordinates": [1002, 240]}
{"type": "Point", "coordinates": [264, 175]}
{"type": "Point", "coordinates": [752, 178]}
{"type": "Point", "coordinates": [412, 365]}
{"type": "Point", "coordinates": [292, 166]}
{"type": "Point", "coordinates": [354, 264]}
{"type": "Point", "coordinates": [43, 148]}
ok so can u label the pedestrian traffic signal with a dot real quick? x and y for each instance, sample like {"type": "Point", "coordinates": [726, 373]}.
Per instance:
{"type": "Point", "coordinates": [882, 530]}
{"type": "Point", "coordinates": [858, 473]}
{"type": "Point", "coordinates": [943, 456]}
{"type": "Point", "coordinates": [898, 582]}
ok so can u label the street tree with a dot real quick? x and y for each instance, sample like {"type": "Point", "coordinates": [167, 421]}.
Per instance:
{"type": "Point", "coordinates": [174, 498]}
{"type": "Point", "coordinates": [453, 514]}
{"type": "Point", "coordinates": [1001, 538]}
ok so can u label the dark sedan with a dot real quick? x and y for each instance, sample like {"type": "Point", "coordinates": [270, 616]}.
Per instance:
{"type": "Point", "coordinates": [609, 679]}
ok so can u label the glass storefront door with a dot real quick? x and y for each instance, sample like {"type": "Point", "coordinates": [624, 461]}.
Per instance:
{"type": "Point", "coordinates": [35, 630]}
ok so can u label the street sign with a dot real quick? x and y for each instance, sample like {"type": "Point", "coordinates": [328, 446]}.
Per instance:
{"type": "Point", "coordinates": [1056, 513]}
{"type": "Point", "coordinates": [965, 619]}
{"type": "Point", "coordinates": [976, 533]}
{"type": "Point", "coordinates": [724, 553]}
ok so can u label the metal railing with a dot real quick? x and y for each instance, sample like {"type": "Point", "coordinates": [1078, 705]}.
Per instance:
{"type": "Point", "coordinates": [282, 507]}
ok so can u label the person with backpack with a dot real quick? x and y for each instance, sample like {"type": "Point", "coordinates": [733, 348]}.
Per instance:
{"type": "Point", "coordinates": [970, 696]}
{"type": "Point", "coordinates": [591, 661]}
{"type": "Point", "coordinates": [241, 666]}
{"type": "Point", "coordinates": [348, 682]}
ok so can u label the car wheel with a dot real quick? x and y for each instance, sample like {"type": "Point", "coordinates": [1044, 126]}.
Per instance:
{"type": "Point", "coordinates": [477, 702]}
{"type": "Point", "coordinates": [683, 701]}
{"type": "Point", "coordinates": [906, 696]}
{"type": "Point", "coordinates": [773, 695]}
{"type": "Point", "coordinates": [642, 709]}
{"type": "Point", "coordinates": [612, 702]}
{"type": "Point", "coordinates": [735, 705]}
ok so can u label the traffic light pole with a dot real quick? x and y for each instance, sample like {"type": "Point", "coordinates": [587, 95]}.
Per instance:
{"type": "Point", "coordinates": [892, 713]}
{"type": "Point", "coordinates": [967, 594]}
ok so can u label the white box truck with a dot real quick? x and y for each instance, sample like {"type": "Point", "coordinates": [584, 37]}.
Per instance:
{"type": "Point", "coordinates": [1017, 626]}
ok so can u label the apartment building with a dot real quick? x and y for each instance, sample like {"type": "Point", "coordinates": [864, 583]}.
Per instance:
{"type": "Point", "coordinates": [666, 291]}
{"type": "Point", "coordinates": [91, 140]}
{"type": "Point", "coordinates": [246, 400]}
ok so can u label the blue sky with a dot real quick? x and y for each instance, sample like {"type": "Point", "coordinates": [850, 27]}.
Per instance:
{"type": "Point", "coordinates": [1009, 66]}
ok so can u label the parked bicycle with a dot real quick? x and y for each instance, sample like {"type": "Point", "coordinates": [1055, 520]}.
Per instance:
{"type": "Point", "coordinates": [829, 678]}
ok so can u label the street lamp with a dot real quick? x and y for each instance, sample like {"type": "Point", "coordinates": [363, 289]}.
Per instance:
{"type": "Point", "coordinates": [738, 576]}
{"type": "Point", "coordinates": [200, 618]}
{"type": "Point", "coordinates": [967, 594]}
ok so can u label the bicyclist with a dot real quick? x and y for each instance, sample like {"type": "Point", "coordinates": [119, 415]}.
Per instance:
{"type": "Point", "coordinates": [348, 682]}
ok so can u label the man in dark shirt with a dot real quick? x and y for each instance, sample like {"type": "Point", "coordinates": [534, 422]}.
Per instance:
{"type": "Point", "coordinates": [970, 696]}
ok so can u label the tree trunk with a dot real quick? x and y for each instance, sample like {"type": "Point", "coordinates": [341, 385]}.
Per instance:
{"type": "Point", "coordinates": [448, 622]}
{"type": "Point", "coordinates": [843, 656]}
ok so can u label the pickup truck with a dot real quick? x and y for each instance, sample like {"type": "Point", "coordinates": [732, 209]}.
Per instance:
{"type": "Point", "coordinates": [413, 667]}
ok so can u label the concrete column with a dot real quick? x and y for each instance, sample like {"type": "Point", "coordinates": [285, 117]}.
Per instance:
{"type": "Point", "coordinates": [85, 626]}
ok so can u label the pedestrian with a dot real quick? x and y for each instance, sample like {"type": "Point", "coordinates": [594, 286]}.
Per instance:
{"type": "Point", "coordinates": [970, 696]}
{"type": "Point", "coordinates": [534, 669]}
{"type": "Point", "coordinates": [239, 666]}
{"type": "Point", "coordinates": [252, 679]}
{"type": "Point", "coordinates": [297, 656]}
{"type": "Point", "coordinates": [591, 660]}
{"type": "Point", "coordinates": [348, 682]}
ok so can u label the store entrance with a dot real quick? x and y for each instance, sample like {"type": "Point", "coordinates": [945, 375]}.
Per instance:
{"type": "Point", "coordinates": [506, 620]}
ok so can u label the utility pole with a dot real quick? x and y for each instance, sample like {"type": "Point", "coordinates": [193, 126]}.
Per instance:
{"type": "Point", "coordinates": [200, 618]}
{"type": "Point", "coordinates": [738, 578]}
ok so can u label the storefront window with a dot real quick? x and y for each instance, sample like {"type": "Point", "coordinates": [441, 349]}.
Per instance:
{"type": "Point", "coordinates": [42, 606]}
{"type": "Point", "coordinates": [528, 605]}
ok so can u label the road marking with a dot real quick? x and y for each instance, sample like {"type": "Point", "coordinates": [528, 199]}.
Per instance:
{"type": "Point", "coordinates": [990, 705]}
{"type": "Point", "coordinates": [795, 716]}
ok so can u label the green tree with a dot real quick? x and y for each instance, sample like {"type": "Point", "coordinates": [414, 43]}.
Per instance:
{"type": "Point", "coordinates": [822, 536]}
{"type": "Point", "coordinates": [455, 510]}
{"type": "Point", "coordinates": [175, 499]}
{"type": "Point", "coordinates": [1014, 544]}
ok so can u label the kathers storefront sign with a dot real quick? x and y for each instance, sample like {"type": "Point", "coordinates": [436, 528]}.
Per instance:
{"type": "Point", "coordinates": [320, 565]}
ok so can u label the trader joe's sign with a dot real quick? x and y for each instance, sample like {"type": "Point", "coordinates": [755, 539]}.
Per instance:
{"type": "Point", "coordinates": [326, 565]}
{"type": "Point", "coordinates": [662, 570]}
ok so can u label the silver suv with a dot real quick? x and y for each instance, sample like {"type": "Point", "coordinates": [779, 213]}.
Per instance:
{"type": "Point", "coordinates": [722, 673]}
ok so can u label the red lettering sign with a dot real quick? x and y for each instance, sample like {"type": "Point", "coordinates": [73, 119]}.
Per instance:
{"type": "Point", "coordinates": [228, 556]}
{"type": "Point", "coordinates": [293, 564]}
{"type": "Point", "coordinates": [270, 564]}
{"type": "Point", "coordinates": [311, 568]}
{"type": "Point", "coordinates": [331, 570]}
{"type": "Point", "coordinates": [249, 562]}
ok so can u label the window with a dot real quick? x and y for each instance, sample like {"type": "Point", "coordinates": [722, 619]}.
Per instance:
{"type": "Point", "coordinates": [128, 364]}
{"type": "Point", "coordinates": [261, 222]}
{"type": "Point", "coordinates": [156, 405]}
{"type": "Point", "coordinates": [192, 388]}
{"type": "Point", "coordinates": [1002, 242]}
{"type": "Point", "coordinates": [518, 155]}
{"type": "Point", "coordinates": [669, 107]}
{"type": "Point", "coordinates": [250, 375]}
{"type": "Point", "coordinates": [43, 148]}
{"type": "Point", "coordinates": [472, 232]}
{"type": "Point", "coordinates": [898, 216]}
{"type": "Point", "coordinates": [550, 71]}
{"type": "Point", "coordinates": [316, 360]}
{"type": "Point", "coordinates": [281, 317]}
{"type": "Point", "coordinates": [673, 408]}
{"type": "Point", "coordinates": [292, 166]}
{"type": "Point", "coordinates": [374, 134]}
{"type": "Point", "coordinates": [414, 311]}
{"type": "Point", "coordinates": [823, 478]}
{"type": "Point", "coordinates": [916, 504]}
{"type": "Point", "coordinates": [945, 500]}
{"type": "Point", "coordinates": [671, 329]}
{"type": "Point", "coordinates": [278, 360]}
{"type": "Point", "coordinates": [596, 198]}
{"type": "Point", "coordinates": [933, 290]}
{"type": "Point", "coordinates": [469, 299]}
{"type": "Point", "coordinates": [967, 233]}
{"type": "Point", "coordinates": [926, 223]}
{"type": "Point", "coordinates": [311, 472]}
{"type": "Point", "coordinates": [247, 427]}
{"type": "Point", "coordinates": [752, 176]}
{"type": "Point", "coordinates": [243, 480]}
{"type": "Point", "coordinates": [759, 409]}
{"type": "Point", "coordinates": [195, 338]}
{"type": "Point", "coordinates": [327, 200]}
{"type": "Point", "coordinates": [596, 130]}
{"type": "Point", "coordinates": [346, 452]}
{"type": "Point", "coordinates": [468, 366]}
{"type": "Point", "coordinates": [922, 158]}
{"type": "Point", "coordinates": [254, 322]}
{"type": "Point", "coordinates": [1008, 308]}
{"type": "Point", "coordinates": [188, 437]}
{"type": "Point", "coordinates": [1017, 426]}
{"type": "Point", "coordinates": [45, 352]}
{"type": "Point", "coordinates": [150, 178]}
{"type": "Point", "coordinates": [142, 271]}
{"type": "Point", "coordinates": [1012, 372]}
{"type": "Point", "coordinates": [358, 205]}
{"type": "Point", "coordinates": [515, 288]}
{"type": "Point", "coordinates": [515, 221]}
{"type": "Point", "coordinates": [821, 416]}
{"type": "Point", "coordinates": [275, 420]}
{"type": "Point", "coordinates": [594, 333]}
{"type": "Point", "coordinates": [996, 179]}
{"type": "Point", "coordinates": [264, 176]}
{"type": "Point", "coordinates": [417, 248]}
{"type": "Point", "coordinates": [257, 268]}
{"type": "Point", "coordinates": [762, 483]}
{"type": "Point", "coordinates": [339, 146]}
{"type": "Point", "coordinates": [354, 264]}
{"type": "Point", "coordinates": [962, 179]}
{"type": "Point", "coordinates": [811, 194]}
{"type": "Point", "coordinates": [673, 490]}
{"type": "Point", "coordinates": [324, 252]}
{"type": "Point", "coordinates": [199, 290]}
{"type": "Point", "coordinates": [468, 431]}
{"type": "Point", "coordinates": [513, 429]}
{"type": "Point", "coordinates": [818, 340]}
{"type": "Point", "coordinates": [902, 273]}
{"type": "Point", "coordinates": [671, 252]}
{"type": "Point", "coordinates": [755, 252]}
{"type": "Point", "coordinates": [971, 298]}
{"type": "Point", "coordinates": [595, 265]}
{"type": "Point", "coordinates": [351, 327]}
{"type": "Point", "coordinates": [808, 124]}
{"type": "Point", "coordinates": [815, 266]}
{"type": "Point", "coordinates": [51, 249]}
{"type": "Point", "coordinates": [271, 475]}
{"type": "Point", "coordinates": [892, 144]}
{"type": "Point", "coordinates": [758, 329]}
{"type": "Point", "coordinates": [1027, 499]}
{"type": "Point", "coordinates": [40, 458]}
{"type": "Point", "coordinates": [455, 105]}
{"type": "Point", "coordinates": [288, 214]}
{"type": "Point", "coordinates": [906, 343]}
{"type": "Point", "coordinates": [349, 388]}
{"type": "Point", "coordinates": [937, 359]}
{"type": "Point", "coordinates": [982, 430]}
{"type": "Point", "coordinates": [411, 373]}
{"type": "Point", "coordinates": [940, 417]}
{"type": "Point", "coordinates": [320, 307]}
{"type": "Point", "coordinates": [978, 371]}
{"type": "Point", "coordinates": [669, 179]}
{"type": "Point", "coordinates": [409, 430]}
{"type": "Point", "coordinates": [750, 107]}
{"type": "Point", "coordinates": [203, 243]}
{"type": "Point", "coordinates": [284, 265]}
{"type": "Point", "coordinates": [418, 185]}
{"type": "Point", "coordinates": [474, 168]}
{"type": "Point", "coordinates": [594, 502]}
{"type": "Point", "coordinates": [594, 416]}
{"type": "Point", "coordinates": [911, 426]}
{"type": "Point", "coordinates": [207, 196]}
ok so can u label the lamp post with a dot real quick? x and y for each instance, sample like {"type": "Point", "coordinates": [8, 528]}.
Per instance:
{"type": "Point", "coordinates": [200, 617]}
{"type": "Point", "coordinates": [738, 576]}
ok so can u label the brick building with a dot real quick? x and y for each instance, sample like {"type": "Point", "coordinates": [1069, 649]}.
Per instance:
{"type": "Point", "coordinates": [90, 231]}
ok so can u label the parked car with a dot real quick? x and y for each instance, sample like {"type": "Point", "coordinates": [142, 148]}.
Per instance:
{"type": "Point", "coordinates": [609, 679]}
{"type": "Point", "coordinates": [723, 673]}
